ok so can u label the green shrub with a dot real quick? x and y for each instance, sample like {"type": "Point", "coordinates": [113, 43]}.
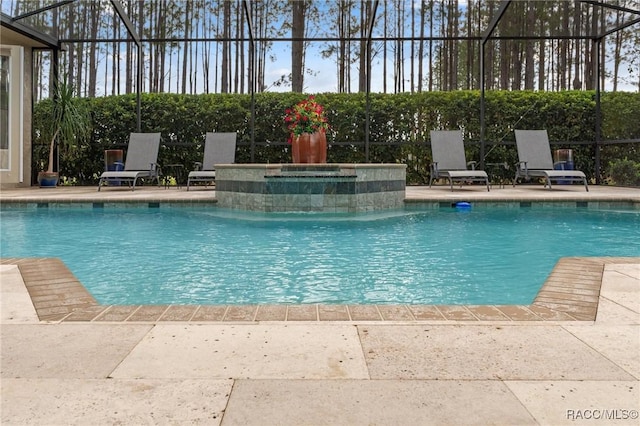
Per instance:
{"type": "Point", "coordinates": [398, 130]}
{"type": "Point", "coordinates": [624, 172]}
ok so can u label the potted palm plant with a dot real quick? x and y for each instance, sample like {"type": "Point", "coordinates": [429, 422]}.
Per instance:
{"type": "Point", "coordinates": [70, 124]}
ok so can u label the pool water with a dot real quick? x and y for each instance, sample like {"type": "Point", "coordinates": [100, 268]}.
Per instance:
{"type": "Point", "coordinates": [211, 256]}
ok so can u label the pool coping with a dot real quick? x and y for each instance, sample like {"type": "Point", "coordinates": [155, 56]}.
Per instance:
{"type": "Point", "coordinates": [570, 293]}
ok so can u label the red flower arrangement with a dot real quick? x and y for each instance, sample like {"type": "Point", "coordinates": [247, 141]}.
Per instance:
{"type": "Point", "coordinates": [307, 116]}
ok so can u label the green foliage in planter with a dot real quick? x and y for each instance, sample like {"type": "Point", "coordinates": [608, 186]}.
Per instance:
{"type": "Point", "coordinates": [399, 128]}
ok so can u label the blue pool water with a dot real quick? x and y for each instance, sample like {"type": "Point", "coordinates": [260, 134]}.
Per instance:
{"type": "Point", "coordinates": [209, 256]}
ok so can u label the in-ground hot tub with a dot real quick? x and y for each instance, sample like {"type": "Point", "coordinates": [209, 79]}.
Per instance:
{"type": "Point", "coordinates": [330, 188]}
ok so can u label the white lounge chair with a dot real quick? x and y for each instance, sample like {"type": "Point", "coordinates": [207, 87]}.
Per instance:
{"type": "Point", "coordinates": [219, 148]}
{"type": "Point", "coordinates": [141, 161]}
{"type": "Point", "coordinates": [449, 161]}
{"type": "Point", "coordinates": [534, 156]}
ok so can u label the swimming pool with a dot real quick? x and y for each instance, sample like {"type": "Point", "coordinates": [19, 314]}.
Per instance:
{"type": "Point", "coordinates": [210, 256]}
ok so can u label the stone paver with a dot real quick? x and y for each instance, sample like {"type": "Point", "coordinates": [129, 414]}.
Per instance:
{"type": "Point", "coordinates": [584, 402]}
{"type": "Point", "coordinates": [373, 402]}
{"type": "Point", "coordinates": [271, 313]}
{"type": "Point", "coordinates": [613, 313]}
{"type": "Point", "coordinates": [117, 313]}
{"type": "Point", "coordinates": [178, 313]}
{"type": "Point", "coordinates": [88, 351]}
{"type": "Point", "coordinates": [443, 352]}
{"type": "Point", "coordinates": [333, 313]}
{"type": "Point", "coordinates": [619, 343]}
{"type": "Point", "coordinates": [117, 402]}
{"type": "Point", "coordinates": [302, 313]}
{"type": "Point", "coordinates": [619, 302]}
{"type": "Point", "coordinates": [364, 313]}
{"type": "Point", "coordinates": [209, 313]}
{"type": "Point", "coordinates": [624, 281]}
{"type": "Point", "coordinates": [241, 313]}
{"type": "Point", "coordinates": [238, 351]}
{"type": "Point", "coordinates": [15, 304]}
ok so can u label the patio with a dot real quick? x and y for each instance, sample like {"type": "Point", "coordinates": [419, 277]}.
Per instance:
{"type": "Point", "coordinates": [469, 365]}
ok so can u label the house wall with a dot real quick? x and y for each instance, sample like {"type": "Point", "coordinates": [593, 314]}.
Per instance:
{"type": "Point", "coordinates": [15, 163]}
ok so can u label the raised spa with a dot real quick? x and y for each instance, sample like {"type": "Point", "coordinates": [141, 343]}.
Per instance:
{"type": "Point", "coordinates": [327, 188]}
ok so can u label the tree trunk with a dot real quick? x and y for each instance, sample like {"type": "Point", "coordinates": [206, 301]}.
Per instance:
{"type": "Point", "coordinates": [342, 45]}
{"type": "Point", "coordinates": [399, 53]}
{"type": "Point", "coordinates": [529, 69]}
{"type": "Point", "coordinates": [617, 47]}
{"type": "Point", "coordinates": [185, 46]}
{"type": "Point", "coordinates": [412, 53]}
{"type": "Point", "coordinates": [297, 45]}
{"type": "Point", "coordinates": [224, 66]}
{"type": "Point", "coordinates": [141, 52]}
{"type": "Point", "coordinates": [454, 58]}
{"type": "Point", "coordinates": [577, 84]}
{"type": "Point", "coordinates": [93, 66]}
{"type": "Point", "coordinates": [162, 25]}
{"type": "Point", "coordinates": [423, 7]}
{"type": "Point", "coordinates": [431, 27]}
{"type": "Point", "coordinates": [542, 51]}
{"type": "Point", "coordinates": [71, 54]}
{"type": "Point", "coordinates": [365, 16]}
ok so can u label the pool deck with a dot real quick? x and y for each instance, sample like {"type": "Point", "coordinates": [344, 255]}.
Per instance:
{"type": "Point", "coordinates": [569, 358]}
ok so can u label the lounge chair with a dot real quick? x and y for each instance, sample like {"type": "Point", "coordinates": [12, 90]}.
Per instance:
{"type": "Point", "coordinates": [141, 161]}
{"type": "Point", "coordinates": [449, 161]}
{"type": "Point", "coordinates": [219, 148]}
{"type": "Point", "coordinates": [534, 156]}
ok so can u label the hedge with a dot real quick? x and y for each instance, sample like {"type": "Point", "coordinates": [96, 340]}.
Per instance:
{"type": "Point", "coordinates": [399, 127]}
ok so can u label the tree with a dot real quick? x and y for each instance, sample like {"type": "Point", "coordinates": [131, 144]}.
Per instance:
{"type": "Point", "coordinates": [173, 61]}
{"type": "Point", "coordinates": [226, 54]}
{"type": "Point", "coordinates": [69, 124]}
{"type": "Point", "coordinates": [298, 9]}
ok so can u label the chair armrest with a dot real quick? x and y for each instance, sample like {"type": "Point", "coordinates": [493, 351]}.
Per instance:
{"type": "Point", "coordinates": [522, 165]}
{"type": "Point", "coordinates": [472, 164]}
{"type": "Point", "coordinates": [197, 165]}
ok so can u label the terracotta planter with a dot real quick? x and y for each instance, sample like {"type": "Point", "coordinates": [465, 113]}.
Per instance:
{"type": "Point", "coordinates": [309, 148]}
